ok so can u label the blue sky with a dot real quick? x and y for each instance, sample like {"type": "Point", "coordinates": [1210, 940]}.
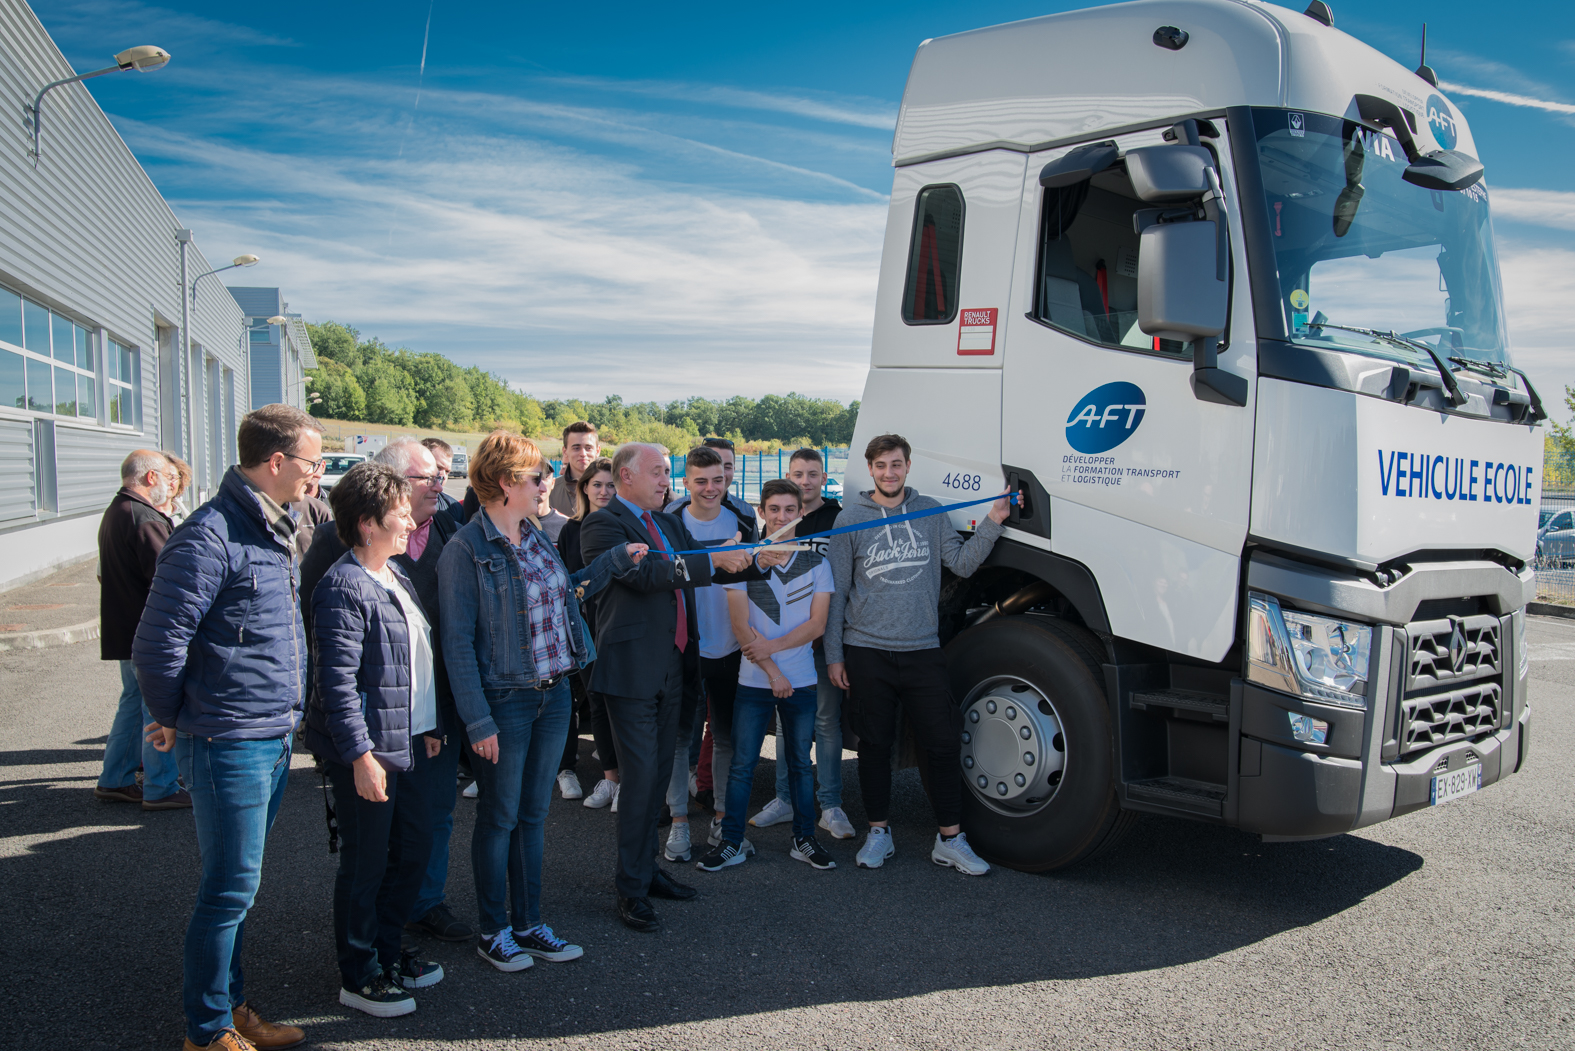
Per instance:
{"type": "Point", "coordinates": [661, 200]}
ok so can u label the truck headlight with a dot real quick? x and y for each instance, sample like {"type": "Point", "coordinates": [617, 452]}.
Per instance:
{"type": "Point", "coordinates": [1321, 658]}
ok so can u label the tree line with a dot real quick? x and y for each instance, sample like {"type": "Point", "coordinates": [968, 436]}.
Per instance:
{"type": "Point", "coordinates": [366, 380]}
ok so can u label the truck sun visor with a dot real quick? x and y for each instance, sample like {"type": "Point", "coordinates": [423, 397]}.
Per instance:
{"type": "Point", "coordinates": [1079, 165]}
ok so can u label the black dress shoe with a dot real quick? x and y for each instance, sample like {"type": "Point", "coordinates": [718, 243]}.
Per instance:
{"type": "Point", "coordinates": [637, 914]}
{"type": "Point", "coordinates": [664, 886]}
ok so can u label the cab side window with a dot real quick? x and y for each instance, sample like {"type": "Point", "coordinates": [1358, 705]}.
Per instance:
{"type": "Point", "coordinates": [934, 257]}
{"type": "Point", "coordinates": [1088, 263]}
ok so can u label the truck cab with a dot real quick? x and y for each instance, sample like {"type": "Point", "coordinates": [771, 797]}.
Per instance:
{"type": "Point", "coordinates": [1212, 284]}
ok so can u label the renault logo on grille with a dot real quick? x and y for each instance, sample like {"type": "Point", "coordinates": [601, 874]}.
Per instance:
{"type": "Point", "coordinates": [1457, 649]}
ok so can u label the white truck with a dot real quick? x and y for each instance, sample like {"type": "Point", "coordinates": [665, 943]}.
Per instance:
{"type": "Point", "coordinates": [1213, 284]}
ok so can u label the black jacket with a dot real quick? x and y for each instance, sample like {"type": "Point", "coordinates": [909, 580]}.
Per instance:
{"type": "Point", "coordinates": [636, 617]}
{"type": "Point", "coordinates": [130, 537]}
{"type": "Point", "coordinates": [363, 699]}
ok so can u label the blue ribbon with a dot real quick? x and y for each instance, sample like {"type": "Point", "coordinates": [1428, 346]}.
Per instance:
{"type": "Point", "coordinates": [873, 523]}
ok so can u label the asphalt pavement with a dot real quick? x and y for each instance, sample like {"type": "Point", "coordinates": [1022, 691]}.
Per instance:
{"type": "Point", "coordinates": [1448, 928]}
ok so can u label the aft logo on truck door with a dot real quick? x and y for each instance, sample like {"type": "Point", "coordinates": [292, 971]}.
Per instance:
{"type": "Point", "coordinates": [1106, 417]}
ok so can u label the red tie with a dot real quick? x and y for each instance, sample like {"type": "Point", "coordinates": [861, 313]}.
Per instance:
{"type": "Point", "coordinates": [681, 635]}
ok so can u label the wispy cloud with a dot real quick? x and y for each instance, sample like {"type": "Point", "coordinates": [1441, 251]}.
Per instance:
{"type": "Point", "coordinates": [1509, 98]}
{"type": "Point", "coordinates": [564, 274]}
{"type": "Point", "coordinates": [1555, 208]}
{"type": "Point", "coordinates": [864, 113]}
{"type": "Point", "coordinates": [114, 18]}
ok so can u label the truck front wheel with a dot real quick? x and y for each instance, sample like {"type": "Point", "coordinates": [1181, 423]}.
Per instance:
{"type": "Point", "coordinates": [1037, 759]}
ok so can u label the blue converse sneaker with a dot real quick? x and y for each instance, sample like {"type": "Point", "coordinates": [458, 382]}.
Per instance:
{"type": "Point", "coordinates": [502, 952]}
{"type": "Point", "coordinates": [543, 944]}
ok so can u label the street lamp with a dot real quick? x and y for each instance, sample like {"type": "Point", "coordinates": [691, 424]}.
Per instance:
{"type": "Point", "coordinates": [143, 59]}
{"type": "Point", "coordinates": [187, 305]}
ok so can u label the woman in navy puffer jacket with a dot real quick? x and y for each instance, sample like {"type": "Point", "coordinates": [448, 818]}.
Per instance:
{"type": "Point", "coordinates": [374, 719]}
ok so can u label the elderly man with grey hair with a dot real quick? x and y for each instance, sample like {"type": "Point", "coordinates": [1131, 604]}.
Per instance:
{"type": "Point", "coordinates": [130, 537]}
{"type": "Point", "coordinates": [415, 463]}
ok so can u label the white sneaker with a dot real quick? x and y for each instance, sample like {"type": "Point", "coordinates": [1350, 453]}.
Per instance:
{"type": "Point", "coordinates": [617, 790]}
{"type": "Point", "coordinates": [472, 790]}
{"type": "Point", "coordinates": [605, 792]}
{"type": "Point", "coordinates": [773, 813]}
{"type": "Point", "coordinates": [876, 849]}
{"type": "Point", "coordinates": [694, 783]}
{"type": "Point", "coordinates": [678, 842]}
{"type": "Point", "coordinates": [569, 785]}
{"type": "Point", "coordinates": [955, 853]}
{"type": "Point", "coordinates": [833, 820]}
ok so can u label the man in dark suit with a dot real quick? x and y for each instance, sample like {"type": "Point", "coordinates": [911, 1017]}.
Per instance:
{"type": "Point", "coordinates": [648, 656]}
{"type": "Point", "coordinates": [414, 460]}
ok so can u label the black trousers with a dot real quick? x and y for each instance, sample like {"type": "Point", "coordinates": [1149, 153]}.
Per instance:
{"type": "Point", "coordinates": [383, 853]}
{"type": "Point", "coordinates": [645, 730]}
{"type": "Point", "coordinates": [879, 682]}
{"type": "Point", "coordinates": [588, 708]}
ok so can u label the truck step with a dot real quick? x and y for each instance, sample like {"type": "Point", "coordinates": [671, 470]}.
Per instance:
{"type": "Point", "coordinates": [1184, 700]}
{"type": "Point", "coordinates": [1180, 793]}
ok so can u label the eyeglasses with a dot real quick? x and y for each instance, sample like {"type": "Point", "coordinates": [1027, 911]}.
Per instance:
{"type": "Point", "coordinates": [312, 466]}
{"type": "Point", "coordinates": [430, 479]}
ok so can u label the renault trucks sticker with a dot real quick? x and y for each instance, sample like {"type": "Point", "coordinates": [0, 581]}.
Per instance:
{"type": "Point", "coordinates": [1104, 418]}
{"type": "Point", "coordinates": [1437, 477]}
{"type": "Point", "coordinates": [1441, 120]}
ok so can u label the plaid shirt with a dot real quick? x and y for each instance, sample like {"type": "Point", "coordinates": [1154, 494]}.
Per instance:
{"type": "Point", "coordinates": [546, 591]}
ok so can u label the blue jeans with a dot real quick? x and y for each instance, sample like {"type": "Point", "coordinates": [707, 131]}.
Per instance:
{"type": "Point", "coordinates": [752, 712]}
{"type": "Point", "coordinates": [828, 741]}
{"type": "Point", "coordinates": [443, 772]}
{"type": "Point", "coordinates": [511, 811]}
{"type": "Point", "coordinates": [236, 787]}
{"type": "Point", "coordinates": [127, 747]}
{"type": "Point", "coordinates": [382, 861]}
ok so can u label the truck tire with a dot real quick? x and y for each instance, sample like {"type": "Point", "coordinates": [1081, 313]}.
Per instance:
{"type": "Point", "coordinates": [1025, 684]}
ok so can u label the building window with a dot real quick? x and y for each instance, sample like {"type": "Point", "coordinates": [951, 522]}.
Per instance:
{"type": "Point", "coordinates": [123, 384]}
{"type": "Point", "coordinates": [48, 363]}
{"type": "Point", "coordinates": [934, 256]}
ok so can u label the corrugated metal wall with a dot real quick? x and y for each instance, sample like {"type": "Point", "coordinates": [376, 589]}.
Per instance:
{"type": "Point", "coordinates": [265, 375]}
{"type": "Point", "coordinates": [88, 466]}
{"type": "Point", "coordinates": [86, 233]}
{"type": "Point", "coordinates": [16, 471]}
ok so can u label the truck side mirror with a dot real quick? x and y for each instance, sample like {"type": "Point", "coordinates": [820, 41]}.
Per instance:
{"type": "Point", "coordinates": [1181, 297]}
{"type": "Point", "coordinates": [1178, 297]}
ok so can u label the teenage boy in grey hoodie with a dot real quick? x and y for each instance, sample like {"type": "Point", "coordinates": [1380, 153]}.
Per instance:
{"type": "Point", "coordinates": [882, 644]}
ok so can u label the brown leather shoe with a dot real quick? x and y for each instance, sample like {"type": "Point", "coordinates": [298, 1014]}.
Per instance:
{"type": "Point", "coordinates": [227, 1040]}
{"type": "Point", "coordinates": [265, 1036]}
{"type": "Point", "coordinates": [179, 799]}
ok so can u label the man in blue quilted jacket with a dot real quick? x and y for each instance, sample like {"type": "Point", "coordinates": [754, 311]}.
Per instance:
{"type": "Point", "coordinates": [220, 655]}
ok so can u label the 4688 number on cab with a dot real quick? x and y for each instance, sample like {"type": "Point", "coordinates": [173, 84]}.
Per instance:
{"type": "Point", "coordinates": [965, 482]}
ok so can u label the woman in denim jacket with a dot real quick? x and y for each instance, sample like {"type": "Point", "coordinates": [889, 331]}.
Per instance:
{"type": "Point", "coordinates": [512, 632]}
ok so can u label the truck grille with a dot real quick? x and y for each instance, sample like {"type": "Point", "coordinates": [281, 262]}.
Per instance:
{"type": "Point", "coordinates": [1453, 686]}
{"type": "Point", "coordinates": [1452, 650]}
{"type": "Point", "coordinates": [1427, 722]}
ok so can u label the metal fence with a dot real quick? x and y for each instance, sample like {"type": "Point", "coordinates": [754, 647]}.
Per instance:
{"type": "Point", "coordinates": [1555, 558]}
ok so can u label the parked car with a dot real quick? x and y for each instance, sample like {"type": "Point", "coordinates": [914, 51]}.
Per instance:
{"type": "Point", "coordinates": [461, 466]}
{"type": "Point", "coordinates": [833, 488]}
{"type": "Point", "coordinates": [334, 467]}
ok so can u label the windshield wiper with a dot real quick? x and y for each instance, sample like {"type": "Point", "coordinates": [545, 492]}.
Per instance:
{"type": "Point", "coordinates": [1456, 396]}
{"type": "Point", "coordinates": [1487, 368]}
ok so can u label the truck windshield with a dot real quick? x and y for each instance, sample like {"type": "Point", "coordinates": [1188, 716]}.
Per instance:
{"type": "Point", "coordinates": [1358, 247]}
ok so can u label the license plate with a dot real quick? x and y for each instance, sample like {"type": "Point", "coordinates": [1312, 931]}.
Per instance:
{"type": "Point", "coordinates": [1456, 783]}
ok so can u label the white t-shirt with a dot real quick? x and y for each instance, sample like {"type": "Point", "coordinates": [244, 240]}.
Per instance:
{"type": "Point", "coordinates": [779, 604]}
{"type": "Point", "coordinates": [423, 686]}
{"type": "Point", "coordinates": [716, 630]}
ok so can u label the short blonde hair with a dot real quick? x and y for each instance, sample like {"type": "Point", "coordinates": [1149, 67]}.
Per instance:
{"type": "Point", "coordinates": [502, 457]}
